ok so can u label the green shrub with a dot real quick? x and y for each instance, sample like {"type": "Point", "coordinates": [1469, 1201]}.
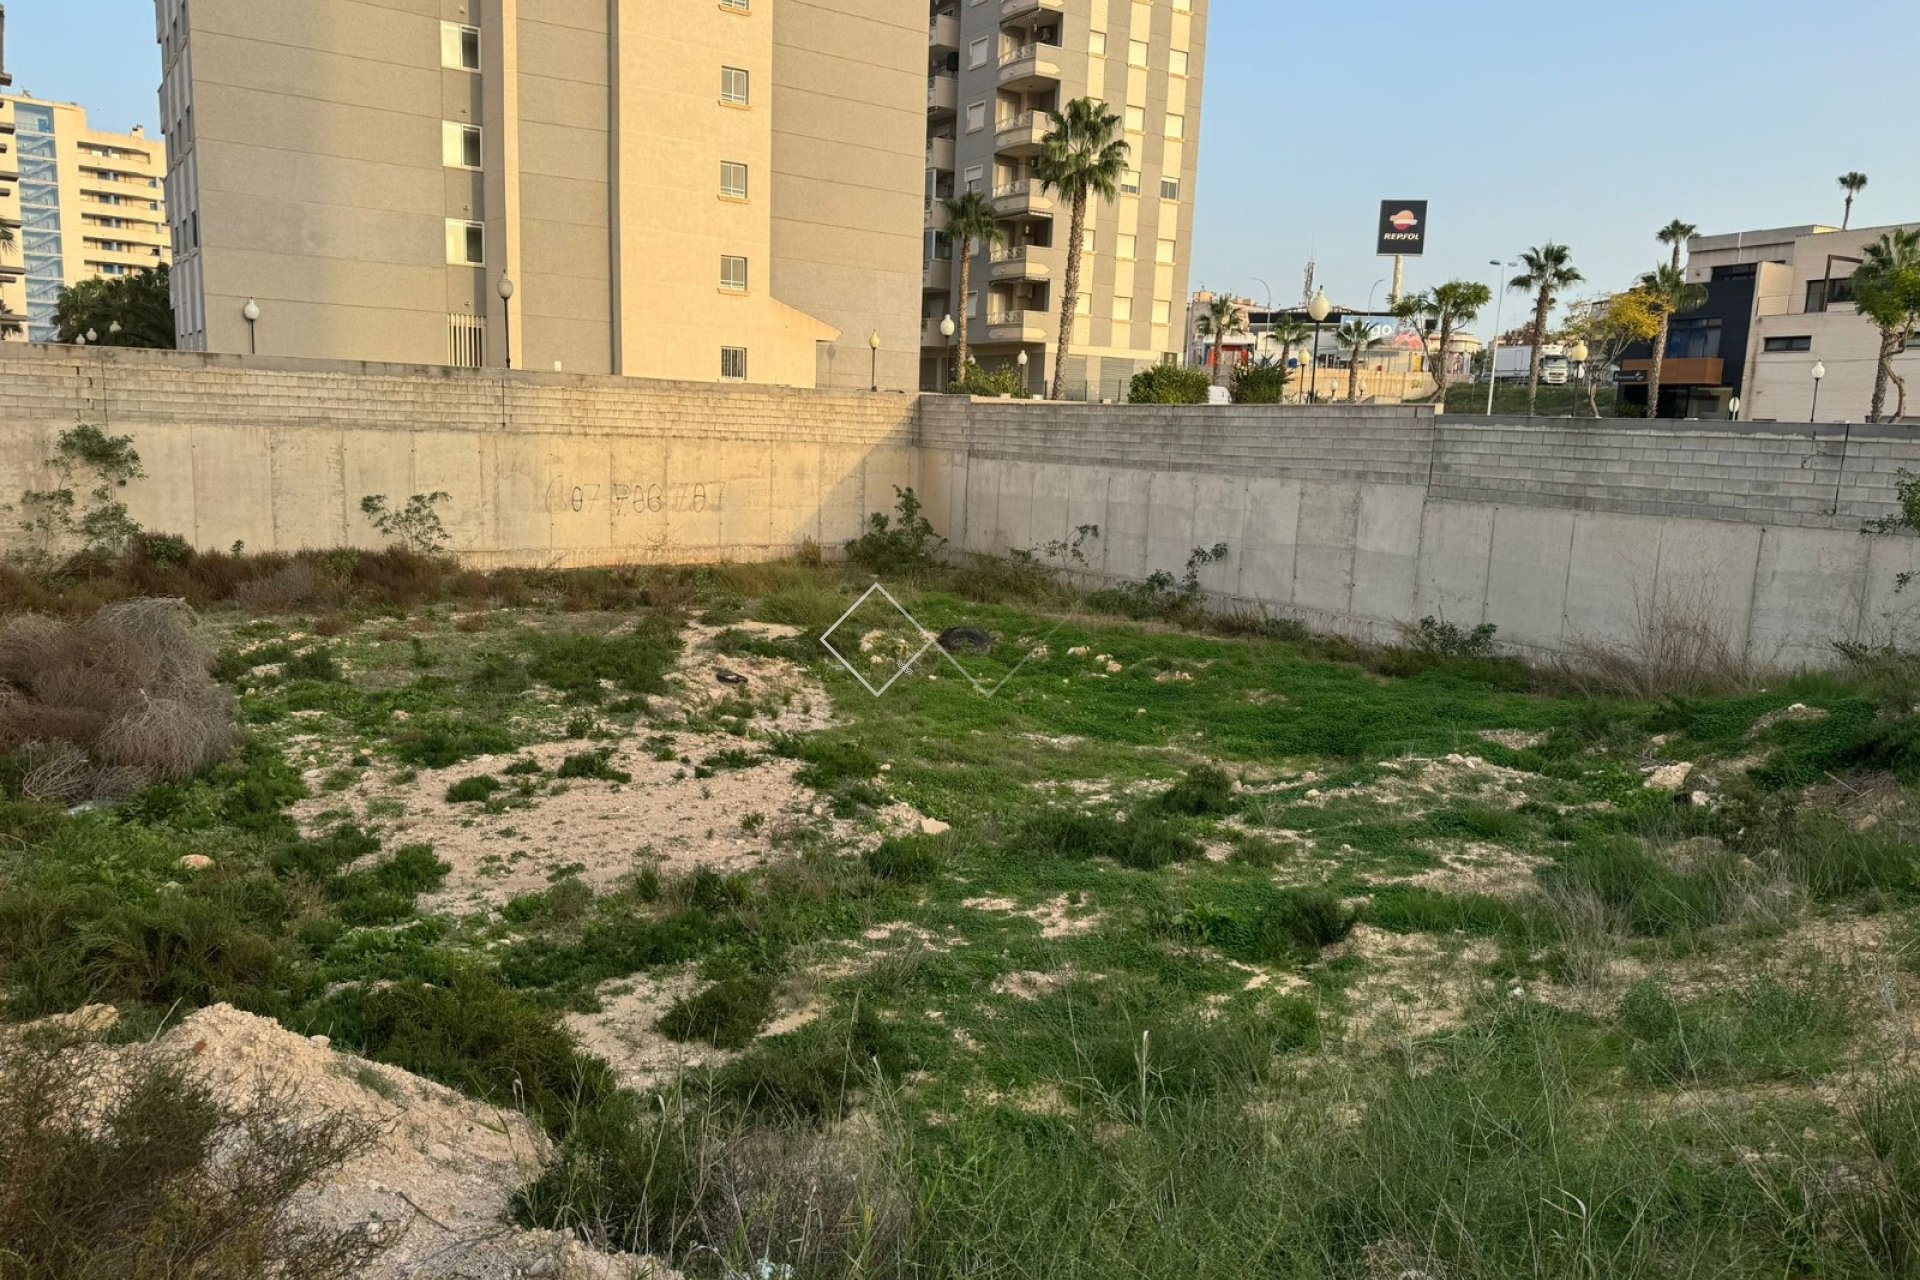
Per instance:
{"type": "Point", "coordinates": [470, 790]}
{"type": "Point", "coordinates": [1764, 1032]}
{"type": "Point", "coordinates": [1413, 909]}
{"type": "Point", "coordinates": [727, 1014]}
{"type": "Point", "coordinates": [905, 860]}
{"type": "Point", "coordinates": [593, 765]}
{"type": "Point", "coordinates": [440, 742]}
{"type": "Point", "coordinates": [1300, 922]}
{"type": "Point", "coordinates": [829, 762]}
{"type": "Point", "coordinates": [315, 664]}
{"type": "Point", "coordinates": [1007, 380]}
{"type": "Point", "coordinates": [577, 663]}
{"type": "Point", "coordinates": [1262, 383]}
{"type": "Point", "coordinates": [905, 545]}
{"type": "Point", "coordinates": [1169, 384]}
{"type": "Point", "coordinates": [1440, 639]}
{"type": "Point", "coordinates": [1143, 843]}
{"type": "Point", "coordinates": [1205, 790]}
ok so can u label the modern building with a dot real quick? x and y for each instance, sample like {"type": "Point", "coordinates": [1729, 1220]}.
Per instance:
{"type": "Point", "coordinates": [79, 204]}
{"type": "Point", "coordinates": [1779, 302]}
{"type": "Point", "coordinates": [715, 191]}
{"type": "Point", "coordinates": [995, 69]}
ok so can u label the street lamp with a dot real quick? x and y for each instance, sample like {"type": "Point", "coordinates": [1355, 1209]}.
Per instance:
{"type": "Point", "coordinates": [114, 329]}
{"type": "Point", "coordinates": [80, 340]}
{"type": "Point", "coordinates": [873, 341]}
{"type": "Point", "coordinates": [1578, 353]}
{"type": "Point", "coordinates": [1819, 372]}
{"type": "Point", "coordinates": [252, 313]}
{"type": "Point", "coordinates": [506, 314]}
{"type": "Point", "coordinates": [1319, 309]}
{"type": "Point", "coordinates": [1733, 408]}
{"type": "Point", "coordinates": [1021, 360]}
{"type": "Point", "coordinates": [1493, 346]}
{"type": "Point", "coordinates": [93, 335]}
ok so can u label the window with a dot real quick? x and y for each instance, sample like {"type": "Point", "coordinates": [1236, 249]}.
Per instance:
{"type": "Point", "coordinates": [733, 362]}
{"type": "Point", "coordinates": [1736, 271]}
{"type": "Point", "coordinates": [1162, 310]}
{"type": "Point", "coordinates": [1819, 297]}
{"type": "Point", "coordinates": [973, 176]}
{"type": "Point", "coordinates": [1083, 303]}
{"type": "Point", "coordinates": [459, 47]}
{"type": "Point", "coordinates": [1136, 119]}
{"type": "Point", "coordinates": [976, 116]}
{"type": "Point", "coordinates": [733, 179]}
{"type": "Point", "coordinates": [1695, 339]}
{"type": "Point", "coordinates": [733, 273]}
{"type": "Point", "coordinates": [977, 53]}
{"type": "Point", "coordinates": [1802, 343]}
{"type": "Point", "coordinates": [1177, 62]}
{"type": "Point", "coordinates": [973, 305]}
{"type": "Point", "coordinates": [459, 145]}
{"type": "Point", "coordinates": [1129, 183]}
{"type": "Point", "coordinates": [1127, 246]}
{"type": "Point", "coordinates": [1176, 126]}
{"type": "Point", "coordinates": [466, 243]}
{"type": "Point", "coordinates": [1169, 188]}
{"type": "Point", "coordinates": [738, 6]}
{"type": "Point", "coordinates": [1123, 309]}
{"type": "Point", "coordinates": [1097, 43]}
{"type": "Point", "coordinates": [1136, 53]}
{"type": "Point", "coordinates": [1163, 251]}
{"type": "Point", "coordinates": [733, 86]}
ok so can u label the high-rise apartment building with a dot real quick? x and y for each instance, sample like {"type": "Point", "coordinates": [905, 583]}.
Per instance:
{"type": "Point", "coordinates": [79, 204]}
{"type": "Point", "coordinates": [995, 69]}
{"type": "Point", "coordinates": [723, 190]}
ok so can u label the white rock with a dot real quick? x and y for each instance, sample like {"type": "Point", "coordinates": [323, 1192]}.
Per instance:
{"type": "Point", "coordinates": [402, 716]}
{"type": "Point", "coordinates": [933, 827]}
{"type": "Point", "coordinates": [1113, 667]}
{"type": "Point", "coordinates": [1670, 777]}
{"type": "Point", "coordinates": [323, 1042]}
{"type": "Point", "coordinates": [195, 862]}
{"type": "Point", "coordinates": [1699, 799]}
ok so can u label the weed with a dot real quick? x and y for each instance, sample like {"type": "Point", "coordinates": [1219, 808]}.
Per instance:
{"type": "Point", "coordinates": [905, 860]}
{"type": "Point", "coordinates": [1441, 639]}
{"type": "Point", "coordinates": [1205, 790]}
{"type": "Point", "coordinates": [1763, 1032]}
{"type": "Point", "coordinates": [417, 526]}
{"type": "Point", "coordinates": [471, 790]}
{"type": "Point", "coordinates": [1144, 843]}
{"type": "Point", "coordinates": [582, 665]}
{"type": "Point", "coordinates": [592, 765]}
{"type": "Point", "coordinates": [727, 1014]}
{"type": "Point", "coordinates": [908, 546]}
{"type": "Point", "coordinates": [440, 742]}
{"type": "Point", "coordinates": [315, 664]}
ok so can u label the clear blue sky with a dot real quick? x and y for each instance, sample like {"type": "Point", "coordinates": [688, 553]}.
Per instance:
{"type": "Point", "coordinates": [1520, 120]}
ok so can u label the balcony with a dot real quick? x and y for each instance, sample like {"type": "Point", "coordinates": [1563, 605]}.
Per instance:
{"type": "Point", "coordinates": [1030, 10]}
{"type": "Point", "coordinates": [1031, 69]}
{"type": "Point", "coordinates": [937, 275]}
{"type": "Point", "coordinates": [934, 215]}
{"type": "Point", "coordinates": [1022, 135]}
{"type": "Point", "coordinates": [943, 33]}
{"type": "Point", "coordinates": [943, 93]}
{"type": "Point", "coordinates": [1016, 326]}
{"type": "Point", "coordinates": [940, 154]}
{"type": "Point", "coordinates": [1676, 371]}
{"type": "Point", "coordinates": [1021, 262]}
{"type": "Point", "coordinates": [1022, 198]}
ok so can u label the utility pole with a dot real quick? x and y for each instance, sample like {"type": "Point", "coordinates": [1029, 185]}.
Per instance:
{"type": "Point", "coordinates": [1399, 275]}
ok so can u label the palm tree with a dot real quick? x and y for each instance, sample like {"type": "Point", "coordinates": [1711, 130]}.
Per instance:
{"type": "Point", "coordinates": [1356, 336]}
{"type": "Point", "coordinates": [1082, 155]}
{"type": "Point", "coordinates": [1437, 315]}
{"type": "Point", "coordinates": [1676, 233]}
{"type": "Point", "coordinates": [1667, 286]}
{"type": "Point", "coordinates": [1290, 334]}
{"type": "Point", "coordinates": [1549, 269]}
{"type": "Point", "coordinates": [972, 222]}
{"type": "Point", "coordinates": [1221, 320]}
{"type": "Point", "coordinates": [1853, 183]}
{"type": "Point", "coordinates": [1886, 290]}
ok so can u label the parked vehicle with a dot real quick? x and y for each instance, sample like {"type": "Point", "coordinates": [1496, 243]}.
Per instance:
{"type": "Point", "coordinates": [1511, 364]}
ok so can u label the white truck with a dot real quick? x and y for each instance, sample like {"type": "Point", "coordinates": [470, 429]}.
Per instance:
{"type": "Point", "coordinates": [1511, 364]}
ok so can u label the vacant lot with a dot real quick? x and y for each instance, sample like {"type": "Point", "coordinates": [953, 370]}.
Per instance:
{"type": "Point", "coordinates": [1194, 950]}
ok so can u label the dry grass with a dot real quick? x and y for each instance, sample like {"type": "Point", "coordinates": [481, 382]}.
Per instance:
{"type": "Point", "coordinates": [98, 709]}
{"type": "Point", "coordinates": [1674, 645]}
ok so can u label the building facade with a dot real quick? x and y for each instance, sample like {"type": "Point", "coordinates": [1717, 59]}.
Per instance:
{"type": "Point", "coordinates": [712, 192]}
{"type": "Point", "coordinates": [1779, 302]}
{"type": "Point", "coordinates": [995, 69]}
{"type": "Point", "coordinates": [78, 203]}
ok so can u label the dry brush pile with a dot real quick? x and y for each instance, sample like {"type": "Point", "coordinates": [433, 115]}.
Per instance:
{"type": "Point", "coordinates": [96, 710]}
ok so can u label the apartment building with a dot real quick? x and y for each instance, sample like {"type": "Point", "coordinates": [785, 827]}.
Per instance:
{"type": "Point", "coordinates": [79, 204]}
{"type": "Point", "coordinates": [1779, 302]}
{"type": "Point", "coordinates": [995, 69]}
{"type": "Point", "coordinates": [722, 191]}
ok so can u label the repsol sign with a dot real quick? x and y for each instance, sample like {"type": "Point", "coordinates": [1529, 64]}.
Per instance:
{"type": "Point", "coordinates": [1403, 227]}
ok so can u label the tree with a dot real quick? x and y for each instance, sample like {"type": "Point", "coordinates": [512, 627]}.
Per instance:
{"type": "Point", "coordinates": [6, 248]}
{"type": "Point", "coordinates": [1082, 155]}
{"type": "Point", "coordinates": [1223, 318]}
{"type": "Point", "coordinates": [1356, 336]}
{"type": "Point", "coordinates": [1435, 315]}
{"type": "Point", "coordinates": [1676, 233]}
{"type": "Point", "coordinates": [139, 303]}
{"type": "Point", "coordinates": [1853, 183]}
{"type": "Point", "coordinates": [1549, 269]}
{"type": "Point", "coordinates": [1263, 382]}
{"type": "Point", "coordinates": [1609, 325]}
{"type": "Point", "coordinates": [1886, 290]}
{"type": "Point", "coordinates": [1669, 294]}
{"type": "Point", "coordinates": [972, 222]}
{"type": "Point", "coordinates": [1290, 334]}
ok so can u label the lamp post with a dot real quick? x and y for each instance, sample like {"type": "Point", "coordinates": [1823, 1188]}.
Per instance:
{"type": "Point", "coordinates": [1578, 353]}
{"type": "Point", "coordinates": [93, 335]}
{"type": "Point", "coordinates": [1021, 360]}
{"type": "Point", "coordinates": [1319, 309]}
{"type": "Point", "coordinates": [946, 331]}
{"type": "Point", "coordinates": [1733, 409]}
{"type": "Point", "coordinates": [506, 314]}
{"type": "Point", "coordinates": [873, 342]}
{"type": "Point", "coordinates": [1819, 372]}
{"type": "Point", "coordinates": [251, 312]}
{"type": "Point", "coordinates": [1493, 346]}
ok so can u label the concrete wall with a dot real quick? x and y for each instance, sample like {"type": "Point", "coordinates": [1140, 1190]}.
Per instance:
{"type": "Point", "coordinates": [541, 468]}
{"type": "Point", "coordinates": [1360, 520]}
{"type": "Point", "coordinates": [1355, 519]}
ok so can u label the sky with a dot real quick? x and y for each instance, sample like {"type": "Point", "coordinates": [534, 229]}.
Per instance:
{"type": "Point", "coordinates": [1520, 121]}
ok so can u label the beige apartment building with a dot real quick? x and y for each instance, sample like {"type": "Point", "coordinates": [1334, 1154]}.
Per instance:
{"type": "Point", "coordinates": [713, 191]}
{"type": "Point", "coordinates": [996, 68]}
{"type": "Point", "coordinates": [79, 204]}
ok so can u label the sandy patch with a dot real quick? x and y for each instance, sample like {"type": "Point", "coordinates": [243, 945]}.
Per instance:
{"type": "Point", "coordinates": [1417, 780]}
{"type": "Point", "coordinates": [623, 1031]}
{"type": "Point", "coordinates": [437, 1180]}
{"type": "Point", "coordinates": [1513, 739]}
{"type": "Point", "coordinates": [1412, 985]}
{"type": "Point", "coordinates": [1473, 867]}
{"type": "Point", "coordinates": [1057, 917]}
{"type": "Point", "coordinates": [1030, 984]}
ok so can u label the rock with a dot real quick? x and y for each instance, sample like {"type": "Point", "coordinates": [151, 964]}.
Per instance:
{"type": "Point", "coordinates": [1699, 799]}
{"type": "Point", "coordinates": [1079, 651]}
{"type": "Point", "coordinates": [402, 716]}
{"type": "Point", "coordinates": [933, 827]}
{"type": "Point", "coordinates": [195, 862]}
{"type": "Point", "coordinates": [1670, 777]}
{"type": "Point", "coordinates": [1113, 668]}
{"type": "Point", "coordinates": [320, 1042]}
{"type": "Point", "coordinates": [729, 677]}
{"type": "Point", "coordinates": [965, 640]}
